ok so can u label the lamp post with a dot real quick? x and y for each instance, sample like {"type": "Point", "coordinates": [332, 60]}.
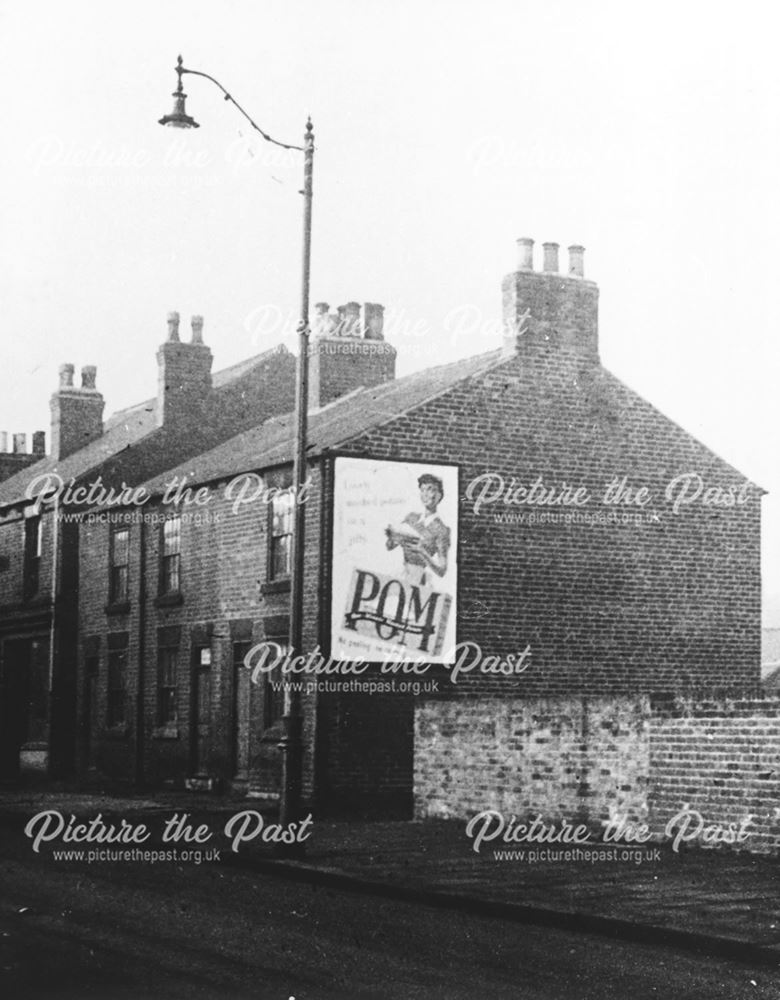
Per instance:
{"type": "Point", "coordinates": [291, 744]}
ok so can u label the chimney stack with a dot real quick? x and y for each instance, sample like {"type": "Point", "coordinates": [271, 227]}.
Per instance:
{"type": "Point", "coordinates": [348, 352]}
{"type": "Point", "coordinates": [183, 375]}
{"type": "Point", "coordinates": [548, 313]}
{"type": "Point", "coordinates": [76, 414]}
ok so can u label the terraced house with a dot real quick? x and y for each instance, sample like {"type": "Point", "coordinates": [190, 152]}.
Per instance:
{"type": "Point", "coordinates": [39, 532]}
{"type": "Point", "coordinates": [579, 560]}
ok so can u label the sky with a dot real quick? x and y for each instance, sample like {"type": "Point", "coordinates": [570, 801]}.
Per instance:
{"type": "Point", "coordinates": [444, 131]}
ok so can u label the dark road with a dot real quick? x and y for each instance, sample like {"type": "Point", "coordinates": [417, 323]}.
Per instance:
{"type": "Point", "coordinates": [134, 930]}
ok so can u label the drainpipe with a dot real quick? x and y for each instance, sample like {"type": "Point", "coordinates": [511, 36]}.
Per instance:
{"type": "Point", "coordinates": [139, 705]}
{"type": "Point", "coordinates": [55, 553]}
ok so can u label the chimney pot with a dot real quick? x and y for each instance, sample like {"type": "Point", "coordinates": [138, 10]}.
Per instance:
{"type": "Point", "coordinates": [88, 376]}
{"type": "Point", "coordinates": [173, 327]}
{"type": "Point", "coordinates": [525, 248]}
{"type": "Point", "coordinates": [550, 257]}
{"type": "Point", "coordinates": [39, 443]}
{"type": "Point", "coordinates": [373, 321]}
{"type": "Point", "coordinates": [577, 261]}
{"type": "Point", "coordinates": [197, 329]}
{"type": "Point", "coordinates": [66, 376]}
{"type": "Point", "coordinates": [20, 444]}
{"type": "Point", "coordinates": [325, 323]}
{"type": "Point", "coordinates": [351, 316]}
{"type": "Point", "coordinates": [4, 441]}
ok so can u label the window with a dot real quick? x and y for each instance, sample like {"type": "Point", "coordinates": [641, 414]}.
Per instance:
{"type": "Point", "coordinates": [117, 680]}
{"type": "Point", "coordinates": [170, 566]}
{"type": "Point", "coordinates": [275, 692]}
{"type": "Point", "coordinates": [168, 672]}
{"type": "Point", "coordinates": [118, 592]}
{"type": "Point", "coordinates": [280, 558]}
{"type": "Point", "coordinates": [33, 536]}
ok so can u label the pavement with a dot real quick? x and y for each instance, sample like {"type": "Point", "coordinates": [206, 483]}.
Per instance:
{"type": "Point", "coordinates": [720, 901]}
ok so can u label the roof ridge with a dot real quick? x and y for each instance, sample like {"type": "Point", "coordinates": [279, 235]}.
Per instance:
{"type": "Point", "coordinates": [246, 364]}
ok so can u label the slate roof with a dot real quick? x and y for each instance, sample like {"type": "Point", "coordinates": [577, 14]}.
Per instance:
{"type": "Point", "coordinates": [123, 429]}
{"type": "Point", "coordinates": [272, 442]}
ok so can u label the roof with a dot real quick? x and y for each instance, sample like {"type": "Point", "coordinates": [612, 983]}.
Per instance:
{"type": "Point", "coordinates": [121, 430]}
{"type": "Point", "coordinates": [335, 425]}
{"type": "Point", "coordinates": [272, 442]}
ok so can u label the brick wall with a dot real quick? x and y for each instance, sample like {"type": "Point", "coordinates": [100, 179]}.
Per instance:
{"type": "Point", "coordinates": [670, 603]}
{"type": "Point", "coordinates": [12, 560]}
{"type": "Point", "coordinates": [561, 757]}
{"type": "Point", "coordinates": [721, 757]}
{"type": "Point", "coordinates": [587, 758]}
{"type": "Point", "coordinates": [366, 748]}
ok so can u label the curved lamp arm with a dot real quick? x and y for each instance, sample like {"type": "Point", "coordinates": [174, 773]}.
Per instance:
{"type": "Point", "coordinates": [179, 116]}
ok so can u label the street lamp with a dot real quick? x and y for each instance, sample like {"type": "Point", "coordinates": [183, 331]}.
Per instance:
{"type": "Point", "coordinates": [291, 744]}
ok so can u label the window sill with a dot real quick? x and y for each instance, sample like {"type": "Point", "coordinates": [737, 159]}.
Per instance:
{"type": "Point", "coordinates": [276, 586]}
{"type": "Point", "coordinates": [167, 732]}
{"type": "Point", "coordinates": [173, 600]}
{"type": "Point", "coordinates": [117, 608]}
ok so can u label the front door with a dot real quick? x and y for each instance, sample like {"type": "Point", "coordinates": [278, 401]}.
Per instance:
{"type": "Point", "coordinates": [90, 713]}
{"type": "Point", "coordinates": [201, 709]}
{"type": "Point", "coordinates": [14, 705]}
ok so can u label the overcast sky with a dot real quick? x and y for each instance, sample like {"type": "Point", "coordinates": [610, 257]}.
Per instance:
{"type": "Point", "coordinates": [444, 130]}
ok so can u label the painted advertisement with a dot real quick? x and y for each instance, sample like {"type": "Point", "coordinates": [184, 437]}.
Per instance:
{"type": "Point", "coordinates": [394, 572]}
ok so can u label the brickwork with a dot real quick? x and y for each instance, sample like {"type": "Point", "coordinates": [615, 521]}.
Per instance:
{"type": "Point", "coordinates": [588, 759]}
{"type": "Point", "coordinates": [12, 548]}
{"type": "Point", "coordinates": [662, 605]}
{"type": "Point", "coordinates": [720, 756]}
{"type": "Point", "coordinates": [15, 461]}
{"type": "Point", "coordinates": [340, 364]}
{"type": "Point", "coordinates": [184, 380]}
{"type": "Point", "coordinates": [583, 758]}
{"type": "Point", "coordinates": [76, 413]}
{"type": "Point", "coordinates": [223, 576]}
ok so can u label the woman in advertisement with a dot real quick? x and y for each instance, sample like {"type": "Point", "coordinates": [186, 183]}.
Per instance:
{"type": "Point", "coordinates": [424, 537]}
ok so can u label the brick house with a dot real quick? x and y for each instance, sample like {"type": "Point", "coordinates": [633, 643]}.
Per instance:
{"type": "Point", "coordinates": [14, 461]}
{"type": "Point", "coordinates": [39, 533]}
{"type": "Point", "coordinates": [649, 588]}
